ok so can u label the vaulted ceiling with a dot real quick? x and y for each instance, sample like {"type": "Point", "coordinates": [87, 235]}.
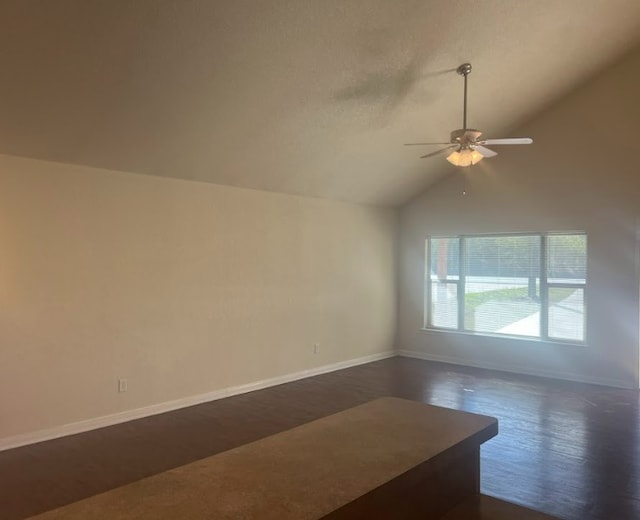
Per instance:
{"type": "Point", "coordinates": [309, 97]}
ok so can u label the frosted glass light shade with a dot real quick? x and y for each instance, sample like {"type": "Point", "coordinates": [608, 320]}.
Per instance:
{"type": "Point", "coordinates": [465, 157]}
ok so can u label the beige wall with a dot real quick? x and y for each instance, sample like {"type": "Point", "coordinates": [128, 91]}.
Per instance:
{"type": "Point", "coordinates": [180, 287]}
{"type": "Point", "coordinates": [184, 288]}
{"type": "Point", "coordinates": [581, 173]}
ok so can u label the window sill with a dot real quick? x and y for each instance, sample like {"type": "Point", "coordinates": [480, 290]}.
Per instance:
{"type": "Point", "coordinates": [509, 337]}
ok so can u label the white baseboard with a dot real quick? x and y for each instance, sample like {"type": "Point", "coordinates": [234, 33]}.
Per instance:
{"type": "Point", "coordinates": [565, 376]}
{"type": "Point", "coordinates": [138, 413]}
{"type": "Point", "coordinates": [24, 439]}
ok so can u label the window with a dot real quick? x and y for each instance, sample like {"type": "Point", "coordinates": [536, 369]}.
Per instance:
{"type": "Point", "coordinates": [529, 285]}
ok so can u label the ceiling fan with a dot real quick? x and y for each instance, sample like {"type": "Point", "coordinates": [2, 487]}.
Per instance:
{"type": "Point", "coordinates": [467, 143]}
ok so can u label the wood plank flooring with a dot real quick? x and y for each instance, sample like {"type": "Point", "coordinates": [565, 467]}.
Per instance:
{"type": "Point", "coordinates": [570, 450]}
{"type": "Point", "coordinates": [483, 507]}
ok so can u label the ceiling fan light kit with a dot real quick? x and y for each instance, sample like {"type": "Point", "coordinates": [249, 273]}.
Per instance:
{"type": "Point", "coordinates": [465, 157]}
{"type": "Point", "coordinates": [466, 143]}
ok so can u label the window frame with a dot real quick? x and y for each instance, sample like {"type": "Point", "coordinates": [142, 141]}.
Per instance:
{"type": "Point", "coordinates": [545, 285]}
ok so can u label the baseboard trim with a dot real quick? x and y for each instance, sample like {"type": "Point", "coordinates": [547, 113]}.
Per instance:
{"type": "Point", "coordinates": [25, 439]}
{"type": "Point", "coordinates": [513, 369]}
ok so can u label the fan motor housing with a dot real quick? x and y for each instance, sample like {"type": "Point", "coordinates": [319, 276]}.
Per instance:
{"type": "Point", "coordinates": [465, 136]}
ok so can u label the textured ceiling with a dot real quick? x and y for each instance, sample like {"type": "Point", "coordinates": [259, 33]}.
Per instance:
{"type": "Point", "coordinates": [305, 97]}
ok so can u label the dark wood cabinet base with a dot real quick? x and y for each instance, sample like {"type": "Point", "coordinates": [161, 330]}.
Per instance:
{"type": "Point", "coordinates": [426, 492]}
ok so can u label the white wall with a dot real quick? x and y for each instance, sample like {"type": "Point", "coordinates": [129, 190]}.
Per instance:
{"type": "Point", "coordinates": [181, 287]}
{"type": "Point", "coordinates": [581, 173]}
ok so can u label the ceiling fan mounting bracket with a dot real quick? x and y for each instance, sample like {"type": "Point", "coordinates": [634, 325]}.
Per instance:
{"type": "Point", "coordinates": [464, 69]}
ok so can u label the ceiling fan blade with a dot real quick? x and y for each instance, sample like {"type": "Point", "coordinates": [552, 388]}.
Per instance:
{"type": "Point", "coordinates": [485, 151]}
{"type": "Point", "coordinates": [442, 150]}
{"type": "Point", "coordinates": [507, 140]}
{"type": "Point", "coordinates": [420, 144]}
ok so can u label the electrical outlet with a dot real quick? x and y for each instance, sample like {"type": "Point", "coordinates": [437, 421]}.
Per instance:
{"type": "Point", "coordinates": [316, 348]}
{"type": "Point", "coordinates": [122, 385]}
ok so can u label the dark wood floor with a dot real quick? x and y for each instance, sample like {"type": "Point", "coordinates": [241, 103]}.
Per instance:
{"type": "Point", "coordinates": [570, 450]}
